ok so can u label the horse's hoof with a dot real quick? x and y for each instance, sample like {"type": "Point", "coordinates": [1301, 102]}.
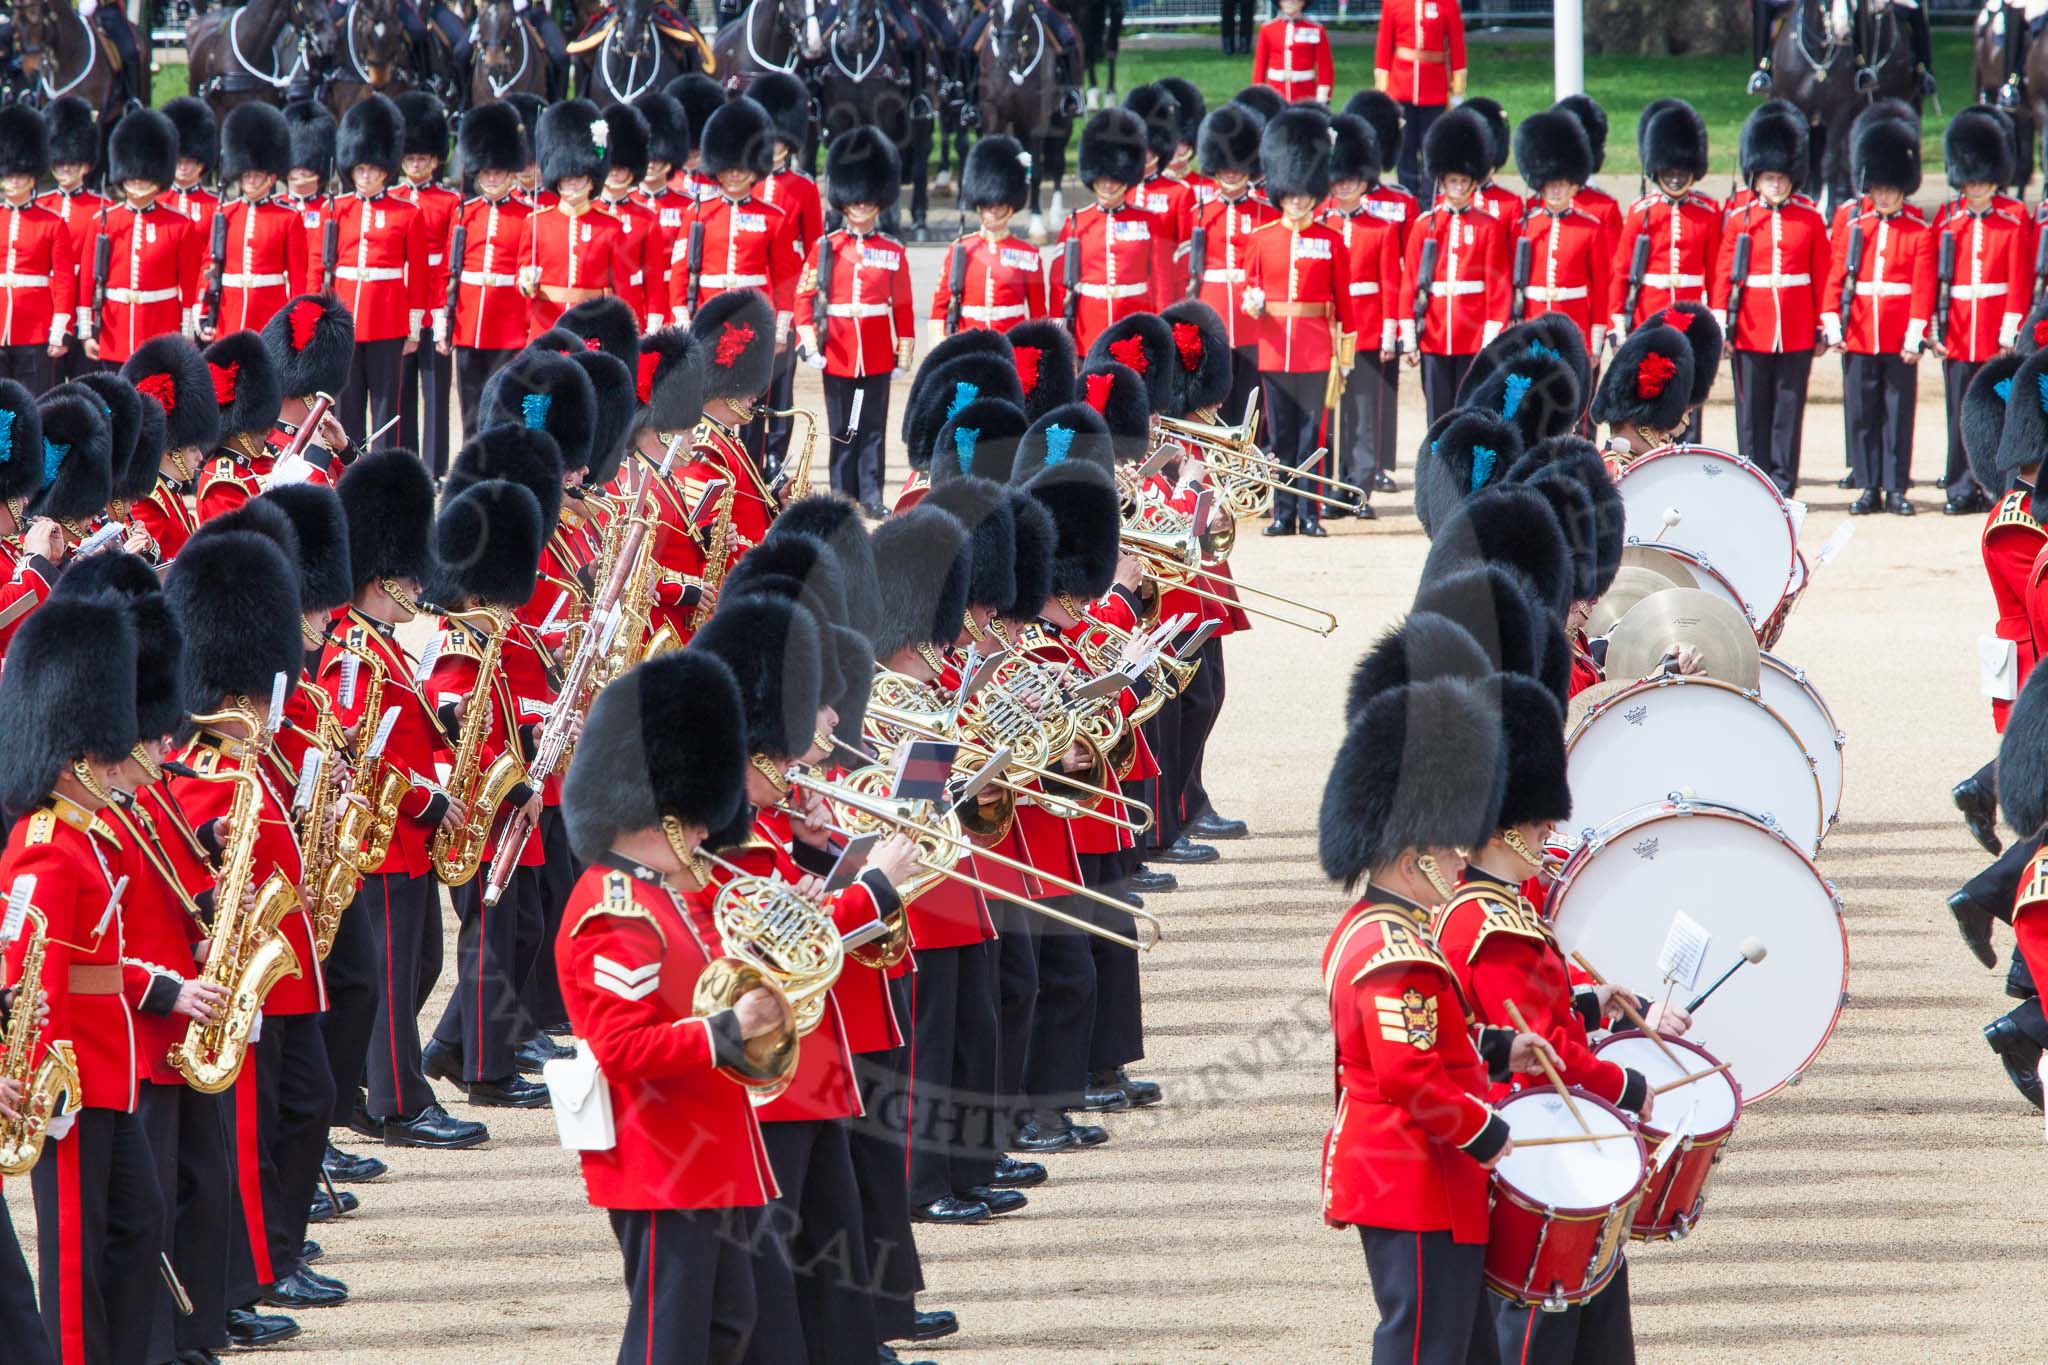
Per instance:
{"type": "Point", "coordinates": [1036, 232]}
{"type": "Point", "coordinates": [1094, 97]}
{"type": "Point", "coordinates": [1759, 82]}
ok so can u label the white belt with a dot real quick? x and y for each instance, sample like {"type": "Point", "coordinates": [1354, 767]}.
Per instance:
{"type": "Point", "coordinates": [1223, 276]}
{"type": "Point", "coordinates": [1886, 289]}
{"type": "Point", "coordinates": [491, 278]}
{"type": "Point", "coordinates": [368, 274]}
{"type": "Point", "coordinates": [1674, 281]}
{"type": "Point", "coordinates": [1359, 290]}
{"type": "Point", "coordinates": [995, 314]}
{"type": "Point", "coordinates": [1977, 291]}
{"type": "Point", "coordinates": [133, 296]}
{"type": "Point", "coordinates": [1288, 73]}
{"type": "Point", "coordinates": [1111, 291]}
{"type": "Point", "coordinates": [252, 281]}
{"type": "Point", "coordinates": [1544, 294]}
{"type": "Point", "coordinates": [1776, 281]}
{"type": "Point", "coordinates": [857, 310]}
{"type": "Point", "coordinates": [24, 281]}
{"type": "Point", "coordinates": [735, 281]}
{"type": "Point", "coordinates": [1440, 288]}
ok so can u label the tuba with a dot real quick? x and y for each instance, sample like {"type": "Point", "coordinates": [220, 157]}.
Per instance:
{"type": "Point", "coordinates": [458, 855]}
{"type": "Point", "coordinates": [46, 1082]}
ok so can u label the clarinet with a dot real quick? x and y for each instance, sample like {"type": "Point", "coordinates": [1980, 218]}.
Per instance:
{"type": "Point", "coordinates": [695, 265]}
{"type": "Point", "coordinates": [330, 248]}
{"type": "Point", "coordinates": [1525, 251]}
{"type": "Point", "coordinates": [1944, 287]}
{"type": "Point", "coordinates": [1850, 269]}
{"type": "Point", "coordinates": [216, 278]}
{"type": "Point", "coordinates": [1073, 279]}
{"type": "Point", "coordinates": [458, 245]}
{"type": "Point", "coordinates": [1738, 280]}
{"type": "Point", "coordinates": [956, 284]}
{"type": "Point", "coordinates": [1638, 270]}
{"type": "Point", "coordinates": [1198, 260]}
{"type": "Point", "coordinates": [821, 310]}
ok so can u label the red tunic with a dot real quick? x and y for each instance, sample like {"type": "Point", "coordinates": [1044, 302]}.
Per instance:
{"type": "Point", "coordinates": [1503, 203]}
{"type": "Point", "coordinates": [1993, 281]}
{"type": "Point", "coordinates": [25, 589]}
{"type": "Point", "coordinates": [158, 937]}
{"type": "Point", "coordinates": [1393, 204]}
{"type": "Point", "coordinates": [642, 245]}
{"type": "Point", "coordinates": [1003, 283]}
{"type": "Point", "coordinates": [1604, 207]}
{"type": "Point", "coordinates": [1421, 48]}
{"type": "Point", "coordinates": [747, 244]}
{"type": "Point", "coordinates": [1894, 285]}
{"type": "Point", "coordinates": [1473, 285]}
{"type": "Point", "coordinates": [437, 205]}
{"type": "Point", "coordinates": [567, 256]}
{"type": "Point", "coordinates": [152, 279]}
{"type": "Point", "coordinates": [195, 202]}
{"type": "Point", "coordinates": [39, 281]}
{"type": "Point", "coordinates": [1372, 249]}
{"type": "Point", "coordinates": [382, 275]}
{"type": "Point", "coordinates": [1126, 256]}
{"type": "Point", "coordinates": [490, 312]}
{"type": "Point", "coordinates": [80, 211]}
{"type": "Point", "coordinates": [2012, 539]}
{"type": "Point", "coordinates": [167, 518]}
{"type": "Point", "coordinates": [1684, 235]}
{"type": "Point", "coordinates": [1571, 269]}
{"type": "Point", "coordinates": [870, 307]}
{"type": "Point", "coordinates": [1173, 203]}
{"type": "Point", "coordinates": [268, 261]}
{"type": "Point", "coordinates": [1293, 57]}
{"type": "Point", "coordinates": [1225, 227]}
{"type": "Point", "coordinates": [796, 194]}
{"type": "Point", "coordinates": [1788, 270]}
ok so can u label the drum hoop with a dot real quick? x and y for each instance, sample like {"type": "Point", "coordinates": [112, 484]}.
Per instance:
{"type": "Point", "coordinates": [1784, 508]}
{"type": "Point", "coordinates": [1820, 811]}
{"type": "Point", "coordinates": [1712, 1136]}
{"type": "Point", "coordinates": [1567, 1213]}
{"type": "Point", "coordinates": [1797, 675]}
{"type": "Point", "coordinates": [1697, 559]}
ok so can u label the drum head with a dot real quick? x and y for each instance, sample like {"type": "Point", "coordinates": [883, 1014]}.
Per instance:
{"type": "Point", "coordinates": [1703, 574]}
{"type": "Point", "coordinates": [1786, 690]}
{"type": "Point", "coordinates": [1571, 1175]}
{"type": "Point", "coordinates": [1617, 898]}
{"type": "Point", "coordinates": [1728, 511]}
{"type": "Point", "coordinates": [1698, 736]}
{"type": "Point", "coordinates": [1705, 1107]}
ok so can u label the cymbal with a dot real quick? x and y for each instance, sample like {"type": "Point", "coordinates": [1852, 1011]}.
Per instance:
{"type": "Point", "coordinates": [1688, 616]}
{"type": "Point", "coordinates": [1631, 585]}
{"type": "Point", "coordinates": [1658, 561]}
{"type": "Point", "coordinates": [1578, 707]}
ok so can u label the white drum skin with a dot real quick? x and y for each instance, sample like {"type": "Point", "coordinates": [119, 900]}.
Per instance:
{"type": "Point", "coordinates": [1729, 512]}
{"type": "Point", "coordinates": [1562, 1212]}
{"type": "Point", "coordinates": [1707, 1109]}
{"type": "Point", "coordinates": [1786, 689]}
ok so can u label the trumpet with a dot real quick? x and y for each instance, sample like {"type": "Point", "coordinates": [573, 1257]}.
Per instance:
{"type": "Point", "coordinates": [941, 843]}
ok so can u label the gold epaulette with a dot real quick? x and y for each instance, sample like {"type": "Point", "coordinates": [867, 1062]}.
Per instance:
{"type": "Point", "coordinates": [458, 643]}
{"type": "Point", "coordinates": [619, 903]}
{"type": "Point", "coordinates": [2013, 511]}
{"type": "Point", "coordinates": [1504, 912]}
{"type": "Point", "coordinates": [42, 827]}
{"type": "Point", "coordinates": [1406, 942]}
{"type": "Point", "coordinates": [224, 467]}
{"type": "Point", "coordinates": [2034, 886]}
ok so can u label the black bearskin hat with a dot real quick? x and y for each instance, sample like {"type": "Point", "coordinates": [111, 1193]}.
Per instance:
{"type": "Point", "coordinates": [1123, 401]}
{"type": "Point", "coordinates": [1074, 431]}
{"type": "Point", "coordinates": [1702, 331]}
{"type": "Point", "coordinates": [1649, 382]}
{"type": "Point", "coordinates": [775, 651]}
{"type": "Point", "coordinates": [1774, 138]}
{"type": "Point", "coordinates": [1547, 335]}
{"type": "Point", "coordinates": [1593, 119]}
{"type": "Point", "coordinates": [1572, 505]}
{"type": "Point", "coordinates": [389, 498]}
{"type": "Point", "coordinates": [1113, 148]}
{"type": "Point", "coordinates": [77, 455]}
{"type": "Point", "coordinates": [254, 137]}
{"type": "Point", "coordinates": [1983, 420]}
{"type": "Point", "coordinates": [969, 341]}
{"type": "Point", "coordinates": [144, 146]}
{"type": "Point", "coordinates": [668, 128]}
{"type": "Point", "coordinates": [1577, 459]}
{"type": "Point", "coordinates": [171, 370]}
{"type": "Point", "coordinates": [788, 102]}
{"type": "Point", "coordinates": [1552, 145]}
{"type": "Point", "coordinates": [1200, 367]}
{"type": "Point", "coordinates": [1044, 351]}
{"type": "Point", "coordinates": [245, 385]}
{"type": "Point", "coordinates": [1143, 344]}
{"type": "Point", "coordinates": [1532, 753]}
{"type": "Point", "coordinates": [1229, 143]}
{"type": "Point", "coordinates": [527, 456]}
{"type": "Point", "coordinates": [838, 522]}
{"type": "Point", "coordinates": [372, 134]}
{"type": "Point", "coordinates": [1423, 647]}
{"type": "Point", "coordinates": [235, 595]}
{"type": "Point", "coordinates": [997, 171]}
{"type": "Point", "coordinates": [739, 137]}
{"type": "Point", "coordinates": [1080, 494]}
{"type": "Point", "coordinates": [159, 645]}
{"type": "Point", "coordinates": [1383, 116]}
{"type": "Point", "coordinates": [2025, 435]}
{"type": "Point", "coordinates": [1494, 604]}
{"type": "Point", "coordinates": [941, 391]}
{"type": "Point", "coordinates": [1674, 138]}
{"type": "Point", "coordinates": [1189, 104]}
{"type": "Point", "coordinates": [923, 566]}
{"type": "Point", "coordinates": [1262, 100]}
{"type": "Point", "coordinates": [983, 507]}
{"type": "Point", "coordinates": [736, 333]}
{"type": "Point", "coordinates": [607, 320]}
{"type": "Point", "coordinates": [572, 139]}
{"type": "Point", "coordinates": [198, 135]}
{"type": "Point", "coordinates": [425, 122]}
{"type": "Point", "coordinates": [668, 738]}
{"type": "Point", "coordinates": [69, 693]}
{"type": "Point", "coordinates": [21, 446]}
{"type": "Point", "coordinates": [544, 391]}
{"type": "Point", "coordinates": [1355, 153]}
{"type": "Point", "coordinates": [493, 139]}
{"type": "Point", "coordinates": [530, 108]}
{"type": "Point", "coordinates": [1498, 140]}
{"type": "Point", "coordinates": [979, 440]}
{"type": "Point", "coordinates": [1159, 111]}
{"type": "Point", "coordinates": [1979, 147]}
{"type": "Point", "coordinates": [1458, 144]}
{"type": "Point", "coordinates": [1466, 450]}
{"type": "Point", "coordinates": [311, 341]}
{"type": "Point", "coordinates": [150, 440]}
{"type": "Point", "coordinates": [1411, 773]}
{"type": "Point", "coordinates": [24, 141]}
{"type": "Point", "coordinates": [700, 98]}
{"type": "Point", "coordinates": [121, 405]}
{"type": "Point", "coordinates": [861, 167]}
{"type": "Point", "coordinates": [626, 139]}
{"type": "Point", "coordinates": [1536, 391]}
{"type": "Point", "coordinates": [669, 381]}
{"type": "Point", "coordinates": [1036, 537]}
{"type": "Point", "coordinates": [797, 566]}
{"type": "Point", "coordinates": [325, 578]}
{"type": "Point", "coordinates": [266, 519]}
{"type": "Point", "coordinates": [487, 545]}
{"type": "Point", "coordinates": [313, 136]}
{"type": "Point", "coordinates": [1886, 155]}
{"type": "Point", "coordinates": [612, 383]}
{"type": "Point", "coordinates": [74, 128]}
{"type": "Point", "coordinates": [2022, 759]}
{"type": "Point", "coordinates": [1511, 525]}
{"type": "Point", "coordinates": [1294, 149]}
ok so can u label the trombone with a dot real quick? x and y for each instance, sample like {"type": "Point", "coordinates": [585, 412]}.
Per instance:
{"type": "Point", "coordinates": [1174, 571]}
{"type": "Point", "coordinates": [1236, 454]}
{"type": "Point", "coordinates": [946, 844]}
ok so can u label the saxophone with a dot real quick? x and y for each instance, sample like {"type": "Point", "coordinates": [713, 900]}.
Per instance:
{"type": "Point", "coordinates": [329, 856]}
{"type": "Point", "coordinates": [55, 1077]}
{"type": "Point", "coordinates": [717, 559]}
{"type": "Point", "coordinates": [250, 953]}
{"type": "Point", "coordinates": [368, 822]}
{"type": "Point", "coordinates": [458, 855]}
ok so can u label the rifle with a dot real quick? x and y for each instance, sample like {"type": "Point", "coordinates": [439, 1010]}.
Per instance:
{"type": "Point", "coordinates": [1738, 279]}
{"type": "Point", "coordinates": [1525, 251]}
{"type": "Point", "coordinates": [956, 284]}
{"type": "Point", "coordinates": [821, 310]}
{"type": "Point", "coordinates": [209, 307]}
{"type": "Point", "coordinates": [1944, 287]}
{"type": "Point", "coordinates": [102, 262]}
{"type": "Point", "coordinates": [1425, 280]}
{"type": "Point", "coordinates": [1073, 281]}
{"type": "Point", "coordinates": [551, 743]}
{"type": "Point", "coordinates": [2040, 257]}
{"type": "Point", "coordinates": [695, 264]}
{"type": "Point", "coordinates": [1638, 270]}
{"type": "Point", "coordinates": [1853, 265]}
{"type": "Point", "coordinates": [458, 245]}
{"type": "Point", "coordinates": [330, 248]}
{"type": "Point", "coordinates": [1198, 260]}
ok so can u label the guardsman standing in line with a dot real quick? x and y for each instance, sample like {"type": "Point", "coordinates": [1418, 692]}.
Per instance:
{"type": "Point", "coordinates": [640, 240]}
{"type": "Point", "coordinates": [1221, 240]}
{"type": "Point", "coordinates": [1989, 281]}
{"type": "Point", "coordinates": [1571, 258]}
{"type": "Point", "coordinates": [40, 277]}
{"type": "Point", "coordinates": [312, 166]}
{"type": "Point", "coordinates": [267, 254]}
{"type": "Point", "coordinates": [486, 323]}
{"type": "Point", "coordinates": [1292, 55]}
{"type": "Point", "coordinates": [1456, 280]}
{"type": "Point", "coordinates": [571, 249]}
{"type": "Point", "coordinates": [854, 315]}
{"type": "Point", "coordinates": [198, 149]}
{"type": "Point", "coordinates": [1420, 61]}
{"type": "Point", "coordinates": [423, 377]}
{"type": "Point", "coordinates": [152, 283]}
{"type": "Point", "coordinates": [1114, 259]}
{"type": "Point", "coordinates": [1780, 297]}
{"type": "Point", "coordinates": [1391, 203]}
{"type": "Point", "coordinates": [1496, 198]}
{"type": "Point", "coordinates": [788, 102]}
{"type": "Point", "coordinates": [1683, 226]}
{"type": "Point", "coordinates": [1882, 330]}
{"type": "Point", "coordinates": [74, 152]}
{"type": "Point", "coordinates": [1372, 246]}
{"type": "Point", "coordinates": [380, 269]}
{"type": "Point", "coordinates": [1165, 198]}
{"type": "Point", "coordinates": [1590, 197]}
{"type": "Point", "coordinates": [668, 146]}
{"type": "Point", "coordinates": [1001, 277]}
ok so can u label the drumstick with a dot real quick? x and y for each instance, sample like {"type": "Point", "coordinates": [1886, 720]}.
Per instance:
{"type": "Point", "coordinates": [1556, 1081]}
{"type": "Point", "coordinates": [1671, 518]}
{"type": "Point", "coordinates": [1628, 1008]}
{"type": "Point", "coordinates": [1555, 1141]}
{"type": "Point", "coordinates": [1688, 1080]}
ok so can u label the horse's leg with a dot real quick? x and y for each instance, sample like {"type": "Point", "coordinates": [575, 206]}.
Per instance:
{"type": "Point", "coordinates": [1115, 40]}
{"type": "Point", "coordinates": [1056, 149]}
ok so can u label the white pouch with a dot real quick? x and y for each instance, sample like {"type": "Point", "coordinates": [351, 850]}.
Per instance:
{"type": "Point", "coordinates": [582, 1101]}
{"type": "Point", "coordinates": [1998, 668]}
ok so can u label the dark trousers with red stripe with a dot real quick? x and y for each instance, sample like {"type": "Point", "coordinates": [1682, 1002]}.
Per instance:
{"type": "Point", "coordinates": [1117, 1036]}
{"type": "Point", "coordinates": [1056, 1072]}
{"type": "Point", "coordinates": [1599, 1331]}
{"type": "Point", "coordinates": [191, 1136]}
{"type": "Point", "coordinates": [1432, 1298]}
{"type": "Point", "coordinates": [1770, 410]}
{"type": "Point", "coordinates": [423, 405]}
{"type": "Point", "coordinates": [401, 914]}
{"type": "Point", "coordinates": [473, 367]}
{"type": "Point", "coordinates": [1293, 413]}
{"type": "Point", "coordinates": [494, 954]}
{"type": "Point", "coordinates": [1200, 704]}
{"type": "Point", "coordinates": [953, 1137]}
{"type": "Point", "coordinates": [690, 1284]}
{"type": "Point", "coordinates": [1162, 792]}
{"type": "Point", "coordinates": [818, 1247]}
{"type": "Point", "coordinates": [374, 375]}
{"type": "Point", "coordinates": [1014, 957]}
{"type": "Point", "coordinates": [99, 1224]}
{"type": "Point", "coordinates": [543, 993]}
{"type": "Point", "coordinates": [352, 974]}
{"type": "Point", "coordinates": [290, 1106]}
{"type": "Point", "coordinates": [1244, 378]}
{"type": "Point", "coordinates": [21, 1327]}
{"type": "Point", "coordinates": [876, 1142]}
{"type": "Point", "coordinates": [1878, 398]}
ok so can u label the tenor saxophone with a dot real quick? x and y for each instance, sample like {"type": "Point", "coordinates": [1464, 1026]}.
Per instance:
{"type": "Point", "coordinates": [46, 1081]}
{"type": "Point", "coordinates": [482, 789]}
{"type": "Point", "coordinates": [332, 873]}
{"type": "Point", "coordinates": [368, 822]}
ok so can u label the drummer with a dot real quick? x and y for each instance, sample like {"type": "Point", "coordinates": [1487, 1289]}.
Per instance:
{"type": "Point", "coordinates": [1646, 393]}
{"type": "Point", "coordinates": [1406, 1160]}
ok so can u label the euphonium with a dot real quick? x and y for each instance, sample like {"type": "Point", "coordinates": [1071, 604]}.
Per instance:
{"type": "Point", "coordinates": [458, 854]}
{"type": "Point", "coordinates": [250, 953]}
{"type": "Point", "coordinates": [44, 1082]}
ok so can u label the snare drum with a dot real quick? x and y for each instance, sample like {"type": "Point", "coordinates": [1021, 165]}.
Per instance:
{"type": "Point", "coordinates": [1786, 689]}
{"type": "Point", "coordinates": [1729, 512]}
{"type": "Point", "coordinates": [1699, 735]}
{"type": "Point", "coordinates": [1561, 1213]}
{"type": "Point", "coordinates": [1705, 1111]}
{"type": "Point", "coordinates": [1738, 878]}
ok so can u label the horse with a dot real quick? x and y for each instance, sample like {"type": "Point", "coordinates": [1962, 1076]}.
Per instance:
{"type": "Point", "coordinates": [61, 52]}
{"type": "Point", "coordinates": [866, 78]}
{"type": "Point", "coordinates": [959, 114]}
{"type": "Point", "coordinates": [268, 50]}
{"type": "Point", "coordinates": [376, 57]}
{"type": "Point", "coordinates": [1018, 93]}
{"type": "Point", "coordinates": [1989, 76]}
{"type": "Point", "coordinates": [1101, 26]}
{"type": "Point", "coordinates": [636, 54]}
{"type": "Point", "coordinates": [1813, 65]}
{"type": "Point", "coordinates": [772, 35]}
{"type": "Point", "coordinates": [506, 57]}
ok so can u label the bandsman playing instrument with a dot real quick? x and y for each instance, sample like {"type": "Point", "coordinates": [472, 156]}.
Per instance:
{"type": "Point", "coordinates": [1420, 62]}
{"type": "Point", "coordinates": [198, 150]}
{"type": "Point", "coordinates": [310, 342]}
{"type": "Point", "coordinates": [266, 255]}
{"type": "Point", "coordinates": [1456, 276]}
{"type": "Point", "coordinates": [1681, 225]}
{"type": "Point", "coordinates": [991, 278]}
{"type": "Point", "coordinates": [74, 132]}
{"type": "Point", "coordinates": [40, 280]}
{"type": "Point", "coordinates": [379, 266]}
{"type": "Point", "coordinates": [249, 395]}
{"type": "Point", "coordinates": [423, 377]}
{"type": "Point", "coordinates": [1645, 393]}
{"type": "Point", "coordinates": [1114, 258]}
{"type": "Point", "coordinates": [484, 322]}
{"type": "Point", "coordinates": [1221, 240]}
{"type": "Point", "coordinates": [735, 335]}
{"type": "Point", "coordinates": [150, 284]}
{"type": "Point", "coordinates": [78, 469]}
{"type": "Point", "coordinates": [170, 372]}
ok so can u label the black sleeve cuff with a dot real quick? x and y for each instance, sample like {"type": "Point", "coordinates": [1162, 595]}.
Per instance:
{"type": "Point", "coordinates": [318, 456]}
{"type": "Point", "coordinates": [1635, 1088]}
{"type": "Point", "coordinates": [450, 722]}
{"type": "Point", "coordinates": [204, 900]}
{"type": "Point", "coordinates": [1141, 686]}
{"type": "Point", "coordinates": [519, 796]}
{"type": "Point", "coordinates": [161, 995]}
{"type": "Point", "coordinates": [1494, 1046]}
{"type": "Point", "coordinates": [1130, 599]}
{"type": "Point", "coordinates": [887, 902]}
{"type": "Point", "coordinates": [529, 744]}
{"type": "Point", "coordinates": [811, 858]}
{"type": "Point", "coordinates": [1598, 649]}
{"type": "Point", "coordinates": [1491, 1139]}
{"type": "Point", "coordinates": [209, 837]}
{"type": "Point", "coordinates": [693, 593]}
{"type": "Point", "coordinates": [1643, 1003]}
{"type": "Point", "coordinates": [6, 1004]}
{"type": "Point", "coordinates": [42, 567]}
{"type": "Point", "coordinates": [1586, 1001]}
{"type": "Point", "coordinates": [437, 809]}
{"type": "Point", "coordinates": [728, 1048]}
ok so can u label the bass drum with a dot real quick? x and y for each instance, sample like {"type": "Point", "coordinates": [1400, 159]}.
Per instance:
{"type": "Point", "coordinates": [1736, 877]}
{"type": "Point", "coordinates": [1729, 513]}
{"type": "Point", "coordinates": [1786, 689]}
{"type": "Point", "coordinates": [1696, 735]}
